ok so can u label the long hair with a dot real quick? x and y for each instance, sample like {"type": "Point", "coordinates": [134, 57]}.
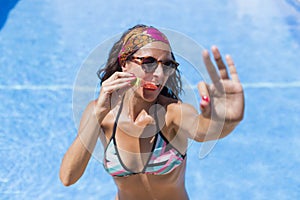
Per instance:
{"type": "Point", "coordinates": [173, 86]}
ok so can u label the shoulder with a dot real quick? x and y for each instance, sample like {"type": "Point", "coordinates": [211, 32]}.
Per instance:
{"type": "Point", "coordinates": [174, 105]}
{"type": "Point", "coordinates": [89, 110]}
{"type": "Point", "coordinates": [176, 110]}
{"type": "Point", "coordinates": [169, 104]}
{"type": "Point", "coordinates": [87, 114]}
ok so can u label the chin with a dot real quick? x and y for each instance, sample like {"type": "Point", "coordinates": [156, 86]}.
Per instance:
{"type": "Point", "coordinates": [150, 95]}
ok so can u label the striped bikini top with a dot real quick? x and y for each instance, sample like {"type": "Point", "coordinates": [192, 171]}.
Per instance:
{"type": "Point", "coordinates": [163, 158]}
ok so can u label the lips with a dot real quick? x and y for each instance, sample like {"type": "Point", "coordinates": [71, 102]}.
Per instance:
{"type": "Point", "coordinates": [150, 86]}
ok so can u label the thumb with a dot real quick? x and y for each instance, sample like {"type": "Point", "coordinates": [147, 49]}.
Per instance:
{"type": "Point", "coordinates": [205, 98]}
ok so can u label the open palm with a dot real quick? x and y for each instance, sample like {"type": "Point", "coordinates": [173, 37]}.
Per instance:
{"type": "Point", "coordinates": [223, 99]}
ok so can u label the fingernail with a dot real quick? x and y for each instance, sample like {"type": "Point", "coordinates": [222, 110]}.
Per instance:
{"type": "Point", "coordinates": [205, 98]}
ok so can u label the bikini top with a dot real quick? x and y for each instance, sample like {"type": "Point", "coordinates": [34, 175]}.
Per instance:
{"type": "Point", "coordinates": [163, 158]}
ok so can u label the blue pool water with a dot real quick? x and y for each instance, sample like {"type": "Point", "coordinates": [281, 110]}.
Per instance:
{"type": "Point", "coordinates": [43, 45]}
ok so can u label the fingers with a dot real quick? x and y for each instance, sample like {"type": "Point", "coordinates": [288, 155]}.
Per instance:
{"type": "Point", "coordinates": [220, 63]}
{"type": "Point", "coordinates": [232, 69]}
{"type": "Point", "coordinates": [115, 87]}
{"type": "Point", "coordinates": [118, 81]}
{"type": "Point", "coordinates": [205, 98]}
{"type": "Point", "coordinates": [214, 75]}
{"type": "Point", "coordinates": [210, 67]}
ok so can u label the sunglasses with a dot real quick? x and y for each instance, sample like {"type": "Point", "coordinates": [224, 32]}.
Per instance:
{"type": "Point", "coordinates": [149, 64]}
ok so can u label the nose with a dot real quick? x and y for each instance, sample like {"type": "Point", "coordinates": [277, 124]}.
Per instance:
{"type": "Point", "coordinates": [159, 70]}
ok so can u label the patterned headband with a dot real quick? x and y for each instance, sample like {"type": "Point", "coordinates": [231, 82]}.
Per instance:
{"type": "Point", "coordinates": [138, 38]}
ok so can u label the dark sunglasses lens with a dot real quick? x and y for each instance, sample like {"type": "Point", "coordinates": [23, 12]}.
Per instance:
{"type": "Point", "coordinates": [169, 64]}
{"type": "Point", "coordinates": [149, 60]}
{"type": "Point", "coordinates": [149, 64]}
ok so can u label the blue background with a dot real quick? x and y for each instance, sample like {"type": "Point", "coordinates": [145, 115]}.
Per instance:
{"type": "Point", "coordinates": [42, 46]}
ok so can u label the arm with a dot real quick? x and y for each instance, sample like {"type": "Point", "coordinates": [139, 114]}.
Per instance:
{"type": "Point", "coordinates": [78, 155]}
{"type": "Point", "coordinates": [222, 104]}
{"type": "Point", "coordinates": [187, 121]}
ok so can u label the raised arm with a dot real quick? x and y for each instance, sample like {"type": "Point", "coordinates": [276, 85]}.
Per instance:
{"type": "Point", "coordinates": [78, 155]}
{"type": "Point", "coordinates": [222, 103]}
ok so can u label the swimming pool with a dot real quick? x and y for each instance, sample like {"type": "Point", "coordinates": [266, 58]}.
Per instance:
{"type": "Point", "coordinates": [44, 43]}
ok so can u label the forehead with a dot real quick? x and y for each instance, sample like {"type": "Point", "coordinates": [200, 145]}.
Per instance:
{"type": "Point", "coordinates": [156, 49]}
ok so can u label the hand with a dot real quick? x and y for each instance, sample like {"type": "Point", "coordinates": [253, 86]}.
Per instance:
{"type": "Point", "coordinates": [224, 98]}
{"type": "Point", "coordinates": [112, 90]}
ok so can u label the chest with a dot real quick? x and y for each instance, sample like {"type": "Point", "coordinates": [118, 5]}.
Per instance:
{"type": "Point", "coordinates": [136, 146]}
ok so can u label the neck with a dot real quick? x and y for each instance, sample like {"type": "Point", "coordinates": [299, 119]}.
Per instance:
{"type": "Point", "coordinates": [135, 105]}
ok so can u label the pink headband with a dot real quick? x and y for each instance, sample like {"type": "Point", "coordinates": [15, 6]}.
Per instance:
{"type": "Point", "coordinates": [138, 38]}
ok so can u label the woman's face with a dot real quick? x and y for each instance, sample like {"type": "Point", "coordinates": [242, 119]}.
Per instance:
{"type": "Point", "coordinates": [155, 51]}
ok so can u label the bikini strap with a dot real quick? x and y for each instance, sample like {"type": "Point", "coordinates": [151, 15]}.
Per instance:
{"type": "Point", "coordinates": [156, 117]}
{"type": "Point", "coordinates": [117, 118]}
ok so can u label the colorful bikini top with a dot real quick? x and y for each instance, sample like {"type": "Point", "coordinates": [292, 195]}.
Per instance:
{"type": "Point", "coordinates": [163, 158]}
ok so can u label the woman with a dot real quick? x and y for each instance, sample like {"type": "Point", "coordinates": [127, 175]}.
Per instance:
{"type": "Point", "coordinates": [143, 126]}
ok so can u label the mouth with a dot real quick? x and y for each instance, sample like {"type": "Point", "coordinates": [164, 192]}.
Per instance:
{"type": "Point", "coordinates": [151, 86]}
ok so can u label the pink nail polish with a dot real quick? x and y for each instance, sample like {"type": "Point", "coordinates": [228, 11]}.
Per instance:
{"type": "Point", "coordinates": [205, 98]}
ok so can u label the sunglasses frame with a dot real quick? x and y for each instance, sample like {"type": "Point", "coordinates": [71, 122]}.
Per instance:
{"type": "Point", "coordinates": [139, 60]}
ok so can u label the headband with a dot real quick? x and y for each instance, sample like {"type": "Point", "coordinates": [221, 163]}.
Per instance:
{"type": "Point", "coordinates": [138, 38]}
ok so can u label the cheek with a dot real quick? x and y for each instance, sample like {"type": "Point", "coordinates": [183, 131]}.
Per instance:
{"type": "Point", "coordinates": [165, 79]}
{"type": "Point", "coordinates": [137, 70]}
